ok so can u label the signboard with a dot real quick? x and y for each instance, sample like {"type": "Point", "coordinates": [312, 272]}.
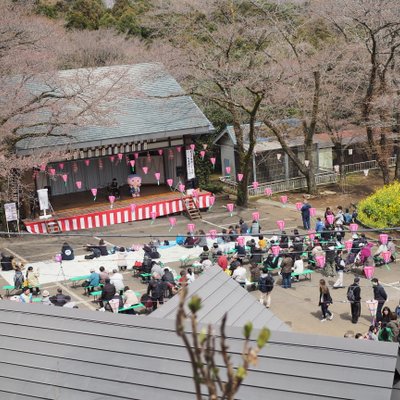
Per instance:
{"type": "Point", "coordinates": [10, 210]}
{"type": "Point", "coordinates": [43, 196]}
{"type": "Point", "coordinates": [190, 165]}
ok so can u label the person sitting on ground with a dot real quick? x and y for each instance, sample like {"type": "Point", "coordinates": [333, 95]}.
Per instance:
{"type": "Point", "coordinates": [202, 239]}
{"type": "Point", "coordinates": [107, 293]}
{"type": "Point", "coordinates": [235, 262]}
{"type": "Point", "coordinates": [232, 233]}
{"type": "Point", "coordinates": [222, 260]}
{"type": "Point", "coordinates": [213, 252]}
{"type": "Point", "coordinates": [103, 274]}
{"type": "Point", "coordinates": [129, 300]}
{"type": "Point", "coordinates": [237, 230]}
{"type": "Point", "coordinates": [32, 278]}
{"type": "Point", "coordinates": [26, 296]}
{"type": "Point", "coordinates": [297, 245]}
{"type": "Point", "coordinates": [117, 280]}
{"type": "Point", "coordinates": [284, 241]}
{"type": "Point", "coordinates": [240, 251]}
{"type": "Point", "coordinates": [239, 275]}
{"type": "Point", "coordinates": [255, 228]}
{"type": "Point", "coordinates": [93, 281]}
{"type": "Point", "coordinates": [101, 247]}
{"type": "Point", "coordinates": [205, 254]}
{"type": "Point", "coordinates": [262, 243]}
{"type": "Point", "coordinates": [67, 252]}
{"type": "Point", "coordinates": [339, 217]}
{"type": "Point", "coordinates": [60, 299]}
{"type": "Point", "coordinates": [225, 237]}
{"type": "Point", "coordinates": [46, 298]}
{"type": "Point", "coordinates": [189, 241]}
{"type": "Point", "coordinates": [243, 227]}
{"type": "Point", "coordinates": [347, 217]}
{"type": "Point", "coordinates": [298, 266]}
{"type": "Point", "coordinates": [366, 255]}
{"type": "Point", "coordinates": [271, 262]}
{"type": "Point", "coordinates": [386, 315]}
{"type": "Point", "coordinates": [319, 226]}
{"type": "Point", "coordinates": [122, 262]}
{"type": "Point", "coordinates": [372, 333]}
{"type": "Point", "coordinates": [190, 276]}
{"type": "Point", "coordinates": [256, 256]}
{"type": "Point", "coordinates": [385, 334]}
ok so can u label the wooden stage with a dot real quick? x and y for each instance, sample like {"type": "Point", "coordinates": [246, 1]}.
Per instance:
{"type": "Point", "coordinates": [78, 211]}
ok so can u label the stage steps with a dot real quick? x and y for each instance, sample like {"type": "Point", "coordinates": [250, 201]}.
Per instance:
{"type": "Point", "coordinates": [191, 208]}
{"type": "Point", "coordinates": [53, 226]}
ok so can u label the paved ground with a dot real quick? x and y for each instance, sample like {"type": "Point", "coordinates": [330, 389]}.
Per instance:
{"type": "Point", "coordinates": [297, 306]}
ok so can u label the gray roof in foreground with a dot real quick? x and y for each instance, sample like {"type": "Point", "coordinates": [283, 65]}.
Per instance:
{"type": "Point", "coordinates": [68, 354]}
{"type": "Point", "coordinates": [219, 294]}
{"type": "Point", "coordinates": [156, 109]}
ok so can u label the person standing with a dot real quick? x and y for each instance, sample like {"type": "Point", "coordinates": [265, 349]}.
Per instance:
{"type": "Point", "coordinates": [265, 286]}
{"type": "Point", "coordinates": [354, 297]}
{"type": "Point", "coordinates": [325, 300]}
{"type": "Point", "coordinates": [305, 214]}
{"type": "Point", "coordinates": [156, 289]}
{"type": "Point", "coordinates": [286, 271]}
{"type": "Point", "coordinates": [340, 265]}
{"type": "Point", "coordinates": [379, 295]}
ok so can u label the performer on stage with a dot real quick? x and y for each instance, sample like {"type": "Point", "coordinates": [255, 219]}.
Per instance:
{"type": "Point", "coordinates": [134, 182]}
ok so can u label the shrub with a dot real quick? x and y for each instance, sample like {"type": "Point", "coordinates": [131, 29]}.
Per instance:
{"type": "Point", "coordinates": [381, 209]}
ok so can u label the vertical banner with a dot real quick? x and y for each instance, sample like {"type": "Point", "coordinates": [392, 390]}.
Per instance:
{"type": "Point", "coordinates": [10, 211]}
{"type": "Point", "coordinates": [190, 165]}
{"type": "Point", "coordinates": [43, 196]}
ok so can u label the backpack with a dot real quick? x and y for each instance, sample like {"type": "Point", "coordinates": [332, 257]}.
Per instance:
{"type": "Point", "coordinates": [266, 283]}
{"type": "Point", "coordinates": [350, 294]}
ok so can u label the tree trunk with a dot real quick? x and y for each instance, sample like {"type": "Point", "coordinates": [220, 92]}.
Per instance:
{"type": "Point", "coordinates": [311, 183]}
{"type": "Point", "coordinates": [242, 193]}
{"type": "Point", "coordinates": [383, 165]}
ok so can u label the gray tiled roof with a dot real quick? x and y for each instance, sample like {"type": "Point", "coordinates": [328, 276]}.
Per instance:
{"type": "Point", "coordinates": [219, 294]}
{"type": "Point", "coordinates": [157, 109]}
{"type": "Point", "coordinates": [66, 354]}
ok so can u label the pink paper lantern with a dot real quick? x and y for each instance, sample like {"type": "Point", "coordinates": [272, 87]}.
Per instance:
{"type": "Point", "coordinates": [132, 163]}
{"type": "Point", "coordinates": [178, 149]}
{"type": "Point", "coordinates": [348, 244]}
{"type": "Point", "coordinates": [112, 158]}
{"type": "Point", "coordinates": [170, 182]}
{"type": "Point", "coordinates": [386, 256]}
{"type": "Point", "coordinates": [330, 218]}
{"type": "Point", "coordinates": [133, 207]}
{"type": "Point", "coordinates": [353, 228]}
{"type": "Point", "coordinates": [153, 215]}
{"type": "Point", "coordinates": [145, 170]}
{"type": "Point", "coordinates": [298, 206]}
{"type": "Point", "coordinates": [275, 250]}
{"type": "Point", "coordinates": [64, 177]}
{"type": "Point", "coordinates": [230, 207]}
{"type": "Point", "coordinates": [87, 162]}
{"type": "Point", "coordinates": [94, 193]}
{"type": "Point", "coordinates": [181, 187]}
{"type": "Point", "coordinates": [281, 224]}
{"type": "Point", "coordinates": [160, 152]}
{"type": "Point", "coordinates": [255, 216]}
{"type": "Point", "coordinates": [320, 261]}
{"type": "Point", "coordinates": [240, 240]}
{"type": "Point", "coordinates": [195, 193]}
{"type": "Point", "coordinates": [52, 171]}
{"type": "Point", "coordinates": [136, 155]}
{"type": "Point", "coordinates": [311, 235]}
{"type": "Point", "coordinates": [383, 238]}
{"type": "Point", "coordinates": [191, 227]}
{"type": "Point", "coordinates": [157, 176]}
{"type": "Point", "coordinates": [43, 167]}
{"type": "Point", "coordinates": [283, 200]}
{"type": "Point", "coordinates": [202, 154]}
{"type": "Point", "coordinates": [369, 271]}
{"type": "Point", "coordinates": [240, 177]}
{"type": "Point", "coordinates": [255, 185]}
{"type": "Point", "coordinates": [213, 160]}
{"type": "Point", "coordinates": [192, 147]}
{"type": "Point", "coordinates": [120, 156]}
{"type": "Point", "coordinates": [213, 233]}
{"type": "Point", "coordinates": [61, 165]}
{"type": "Point", "coordinates": [172, 221]}
{"type": "Point", "coordinates": [78, 184]}
{"type": "Point", "coordinates": [268, 191]}
{"type": "Point", "coordinates": [228, 170]}
{"type": "Point", "coordinates": [58, 258]}
{"type": "Point", "coordinates": [111, 199]}
{"type": "Point", "coordinates": [313, 212]}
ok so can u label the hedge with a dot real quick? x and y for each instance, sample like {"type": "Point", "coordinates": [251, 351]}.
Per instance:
{"type": "Point", "coordinates": [381, 209]}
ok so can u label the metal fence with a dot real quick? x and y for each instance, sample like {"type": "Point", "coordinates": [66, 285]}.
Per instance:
{"type": "Point", "coordinates": [361, 166]}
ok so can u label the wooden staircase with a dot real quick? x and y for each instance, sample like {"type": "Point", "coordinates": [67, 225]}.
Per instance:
{"type": "Point", "coordinates": [53, 226]}
{"type": "Point", "coordinates": [191, 207]}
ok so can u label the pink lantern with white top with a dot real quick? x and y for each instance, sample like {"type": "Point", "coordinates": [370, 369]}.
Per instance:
{"type": "Point", "coordinates": [112, 158]}
{"type": "Point", "coordinates": [298, 206]}
{"type": "Point", "coordinates": [275, 250]}
{"type": "Point", "coordinates": [145, 170]}
{"type": "Point", "coordinates": [268, 191]}
{"type": "Point", "coordinates": [192, 147]}
{"type": "Point", "coordinates": [353, 228]}
{"type": "Point", "coordinates": [320, 261]}
{"type": "Point", "coordinates": [255, 216]}
{"type": "Point", "coordinates": [157, 176]}
{"type": "Point", "coordinates": [313, 212]}
{"type": "Point", "coordinates": [111, 199]}
{"type": "Point", "coordinates": [213, 161]}
{"type": "Point", "coordinates": [87, 162]}
{"type": "Point", "coordinates": [170, 182]}
{"type": "Point", "coordinates": [239, 177]}
{"type": "Point", "coordinates": [191, 227]}
{"type": "Point", "coordinates": [281, 224]}
{"type": "Point", "coordinates": [52, 171]}
{"type": "Point", "coordinates": [283, 200]}
{"type": "Point", "coordinates": [94, 193]}
{"type": "Point", "coordinates": [43, 167]}
{"type": "Point", "coordinates": [64, 178]}
{"type": "Point", "coordinates": [153, 216]}
{"type": "Point", "coordinates": [132, 163]}
{"type": "Point", "coordinates": [230, 207]}
{"type": "Point", "coordinates": [228, 170]}
{"type": "Point", "coordinates": [78, 184]}
{"type": "Point", "coordinates": [160, 152]}
{"type": "Point", "coordinates": [178, 149]}
{"type": "Point", "coordinates": [61, 166]}
{"type": "Point", "coordinates": [172, 223]}
{"type": "Point", "coordinates": [383, 238]}
{"type": "Point", "coordinates": [181, 187]}
{"type": "Point", "coordinates": [136, 155]}
{"type": "Point", "coordinates": [240, 240]}
{"type": "Point", "coordinates": [386, 256]}
{"type": "Point", "coordinates": [202, 154]}
{"type": "Point", "coordinates": [255, 185]}
{"type": "Point", "coordinates": [120, 156]}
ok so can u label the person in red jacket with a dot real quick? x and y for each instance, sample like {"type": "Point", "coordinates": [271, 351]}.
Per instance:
{"type": "Point", "coordinates": [222, 260]}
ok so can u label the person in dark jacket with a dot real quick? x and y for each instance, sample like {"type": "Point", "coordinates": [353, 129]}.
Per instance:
{"type": "Point", "coordinates": [60, 299]}
{"type": "Point", "coordinates": [265, 286]}
{"type": "Point", "coordinates": [243, 227]}
{"type": "Point", "coordinates": [379, 295]}
{"type": "Point", "coordinates": [305, 214]}
{"type": "Point", "coordinates": [107, 293]}
{"type": "Point", "coordinates": [169, 280]}
{"type": "Point", "coordinates": [67, 252]}
{"type": "Point", "coordinates": [355, 306]}
{"type": "Point", "coordinates": [325, 300]}
{"type": "Point", "coordinates": [6, 262]}
{"type": "Point", "coordinates": [286, 271]}
{"type": "Point", "coordinates": [97, 250]}
{"type": "Point", "coordinates": [156, 290]}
